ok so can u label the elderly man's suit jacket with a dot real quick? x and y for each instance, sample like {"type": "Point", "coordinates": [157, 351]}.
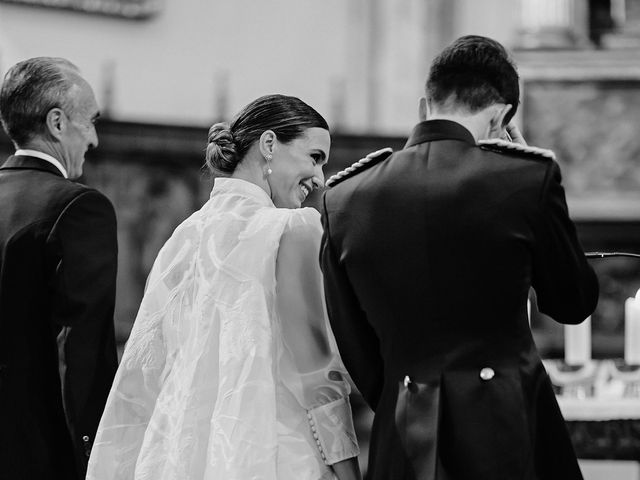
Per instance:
{"type": "Point", "coordinates": [428, 257]}
{"type": "Point", "coordinates": [58, 255]}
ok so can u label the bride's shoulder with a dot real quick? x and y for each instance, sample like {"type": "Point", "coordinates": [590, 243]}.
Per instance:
{"type": "Point", "coordinates": [303, 220]}
{"type": "Point", "coordinates": [306, 215]}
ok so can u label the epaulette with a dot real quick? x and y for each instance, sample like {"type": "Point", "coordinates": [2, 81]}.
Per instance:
{"type": "Point", "coordinates": [502, 146]}
{"type": "Point", "coordinates": [370, 160]}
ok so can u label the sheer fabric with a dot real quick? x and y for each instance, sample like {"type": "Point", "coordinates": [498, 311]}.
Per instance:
{"type": "Point", "coordinates": [231, 370]}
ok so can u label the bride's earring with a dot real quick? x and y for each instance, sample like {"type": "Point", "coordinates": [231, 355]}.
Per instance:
{"type": "Point", "coordinates": [268, 158]}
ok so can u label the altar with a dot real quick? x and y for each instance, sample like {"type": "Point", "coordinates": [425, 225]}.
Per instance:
{"type": "Point", "coordinates": [598, 387]}
{"type": "Point", "coordinates": [606, 436]}
{"type": "Point", "coordinates": [600, 401]}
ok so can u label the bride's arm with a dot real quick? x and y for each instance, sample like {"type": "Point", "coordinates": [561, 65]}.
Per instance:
{"type": "Point", "coordinates": [311, 367]}
{"type": "Point", "coordinates": [347, 469]}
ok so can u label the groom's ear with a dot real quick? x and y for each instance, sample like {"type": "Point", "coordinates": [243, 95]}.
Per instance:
{"type": "Point", "coordinates": [423, 109]}
{"type": "Point", "coordinates": [497, 123]}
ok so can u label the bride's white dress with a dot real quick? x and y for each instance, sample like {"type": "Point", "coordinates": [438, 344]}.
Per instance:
{"type": "Point", "coordinates": [231, 370]}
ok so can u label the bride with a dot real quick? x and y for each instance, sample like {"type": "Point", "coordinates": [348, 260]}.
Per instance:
{"type": "Point", "coordinates": [231, 371]}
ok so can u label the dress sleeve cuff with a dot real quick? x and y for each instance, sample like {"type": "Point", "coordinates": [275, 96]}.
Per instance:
{"type": "Point", "coordinates": [333, 431]}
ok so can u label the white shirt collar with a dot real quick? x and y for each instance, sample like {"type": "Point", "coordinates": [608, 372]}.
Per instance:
{"type": "Point", "coordinates": [46, 157]}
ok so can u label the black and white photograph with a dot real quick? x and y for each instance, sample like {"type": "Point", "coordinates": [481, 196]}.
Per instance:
{"type": "Point", "coordinates": [319, 239]}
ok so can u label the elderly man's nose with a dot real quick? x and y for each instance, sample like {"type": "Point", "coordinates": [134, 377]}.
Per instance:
{"type": "Point", "coordinates": [93, 140]}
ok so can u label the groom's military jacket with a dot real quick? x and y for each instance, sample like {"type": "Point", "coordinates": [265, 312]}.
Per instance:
{"type": "Point", "coordinates": [428, 256]}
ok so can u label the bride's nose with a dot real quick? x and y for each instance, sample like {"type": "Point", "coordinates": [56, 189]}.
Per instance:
{"type": "Point", "coordinates": [318, 179]}
{"type": "Point", "coordinates": [318, 183]}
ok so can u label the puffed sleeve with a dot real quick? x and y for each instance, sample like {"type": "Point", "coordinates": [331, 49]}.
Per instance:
{"type": "Point", "coordinates": [310, 366]}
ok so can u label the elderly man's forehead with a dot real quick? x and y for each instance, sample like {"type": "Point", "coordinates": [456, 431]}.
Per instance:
{"type": "Point", "coordinates": [81, 94]}
{"type": "Point", "coordinates": [72, 73]}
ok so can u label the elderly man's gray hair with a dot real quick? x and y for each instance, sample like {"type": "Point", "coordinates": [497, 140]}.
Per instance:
{"type": "Point", "coordinates": [30, 89]}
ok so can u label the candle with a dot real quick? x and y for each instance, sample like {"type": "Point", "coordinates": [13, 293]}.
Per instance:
{"type": "Point", "coordinates": [577, 343]}
{"type": "Point", "coordinates": [632, 330]}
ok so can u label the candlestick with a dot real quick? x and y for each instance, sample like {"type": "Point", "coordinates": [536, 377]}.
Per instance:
{"type": "Point", "coordinates": [577, 343]}
{"type": "Point", "coordinates": [632, 330]}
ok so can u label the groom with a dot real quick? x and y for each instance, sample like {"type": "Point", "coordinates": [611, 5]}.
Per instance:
{"type": "Point", "coordinates": [428, 256]}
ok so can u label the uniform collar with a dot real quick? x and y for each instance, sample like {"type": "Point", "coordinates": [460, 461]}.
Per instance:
{"type": "Point", "coordinates": [432, 130]}
{"type": "Point", "coordinates": [27, 162]}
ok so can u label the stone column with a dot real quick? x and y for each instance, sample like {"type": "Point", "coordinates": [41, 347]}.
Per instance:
{"type": "Point", "coordinates": [392, 44]}
{"type": "Point", "coordinates": [553, 24]}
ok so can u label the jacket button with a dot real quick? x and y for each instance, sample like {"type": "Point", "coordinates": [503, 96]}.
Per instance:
{"type": "Point", "coordinates": [87, 446]}
{"type": "Point", "coordinates": [487, 373]}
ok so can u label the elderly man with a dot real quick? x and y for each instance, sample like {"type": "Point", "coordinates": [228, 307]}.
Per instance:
{"type": "Point", "coordinates": [428, 255]}
{"type": "Point", "coordinates": [58, 255]}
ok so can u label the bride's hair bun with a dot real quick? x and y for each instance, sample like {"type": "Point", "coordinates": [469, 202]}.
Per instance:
{"type": "Point", "coordinates": [221, 157]}
{"type": "Point", "coordinates": [287, 117]}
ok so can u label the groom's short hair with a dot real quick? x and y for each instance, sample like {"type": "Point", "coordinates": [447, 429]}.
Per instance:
{"type": "Point", "coordinates": [474, 72]}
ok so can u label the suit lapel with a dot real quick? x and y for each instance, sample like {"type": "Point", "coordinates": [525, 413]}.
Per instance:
{"type": "Point", "coordinates": [24, 162]}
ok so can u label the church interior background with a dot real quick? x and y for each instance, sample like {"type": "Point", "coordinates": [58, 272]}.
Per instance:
{"type": "Point", "coordinates": [165, 70]}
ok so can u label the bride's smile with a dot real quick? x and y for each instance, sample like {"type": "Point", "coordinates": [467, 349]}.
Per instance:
{"type": "Point", "coordinates": [296, 167]}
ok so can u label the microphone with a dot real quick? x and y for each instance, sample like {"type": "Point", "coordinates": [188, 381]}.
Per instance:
{"type": "Point", "coordinates": [611, 254]}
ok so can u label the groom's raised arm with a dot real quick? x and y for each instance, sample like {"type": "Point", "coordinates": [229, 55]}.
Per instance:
{"type": "Point", "coordinates": [357, 341]}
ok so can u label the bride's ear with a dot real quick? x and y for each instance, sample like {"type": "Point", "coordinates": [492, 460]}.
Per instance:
{"type": "Point", "coordinates": [267, 143]}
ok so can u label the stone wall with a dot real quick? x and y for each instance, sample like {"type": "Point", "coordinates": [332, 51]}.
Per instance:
{"type": "Point", "coordinates": [153, 176]}
{"type": "Point", "coordinates": [585, 106]}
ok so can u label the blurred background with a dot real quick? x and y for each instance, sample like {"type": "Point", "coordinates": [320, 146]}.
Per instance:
{"type": "Point", "coordinates": [165, 70]}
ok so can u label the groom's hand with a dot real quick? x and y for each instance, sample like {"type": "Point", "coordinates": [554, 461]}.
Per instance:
{"type": "Point", "coordinates": [515, 134]}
